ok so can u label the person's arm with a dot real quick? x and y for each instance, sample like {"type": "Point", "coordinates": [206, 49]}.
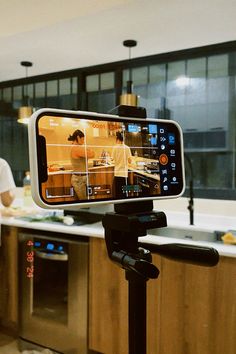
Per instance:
{"type": "Point", "coordinates": [129, 156]}
{"type": "Point", "coordinates": [81, 151]}
{"type": "Point", "coordinates": [90, 153]}
{"type": "Point", "coordinates": [7, 198]}
{"type": "Point", "coordinates": [7, 184]}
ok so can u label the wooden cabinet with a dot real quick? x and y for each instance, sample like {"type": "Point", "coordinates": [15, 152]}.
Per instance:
{"type": "Point", "coordinates": [9, 279]}
{"type": "Point", "coordinates": [108, 296]}
{"type": "Point", "coordinates": [58, 188]}
{"type": "Point", "coordinates": [190, 309]}
{"type": "Point", "coordinates": [198, 308]}
{"type": "Point", "coordinates": [101, 180]}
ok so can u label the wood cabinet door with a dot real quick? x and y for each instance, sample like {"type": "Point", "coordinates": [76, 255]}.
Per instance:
{"type": "Point", "coordinates": [108, 305]}
{"type": "Point", "coordinates": [59, 185]}
{"type": "Point", "coordinates": [102, 177]}
{"type": "Point", "coordinates": [198, 307]}
{"type": "Point", "coordinates": [9, 279]}
{"type": "Point", "coordinates": [108, 302]}
{"type": "Point", "coordinates": [190, 309]}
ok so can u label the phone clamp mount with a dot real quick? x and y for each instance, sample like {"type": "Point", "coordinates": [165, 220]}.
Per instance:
{"type": "Point", "coordinates": [123, 228]}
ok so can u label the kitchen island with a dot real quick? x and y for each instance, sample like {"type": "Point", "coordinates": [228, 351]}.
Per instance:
{"type": "Point", "coordinates": [192, 305]}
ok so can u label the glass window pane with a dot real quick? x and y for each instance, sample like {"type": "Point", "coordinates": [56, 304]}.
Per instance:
{"type": "Point", "coordinates": [40, 101]}
{"type": "Point", "coordinates": [29, 90]}
{"type": "Point", "coordinates": [40, 89]}
{"type": "Point", "coordinates": [218, 66]}
{"type": "Point", "coordinates": [125, 77]}
{"type": "Point", "coordinates": [175, 70]}
{"type": "Point", "coordinates": [107, 81]}
{"type": "Point", "coordinates": [219, 170]}
{"type": "Point", "coordinates": [17, 96]}
{"type": "Point", "coordinates": [28, 94]}
{"type": "Point", "coordinates": [52, 88]}
{"type": "Point", "coordinates": [196, 91]}
{"type": "Point", "coordinates": [140, 76]}
{"type": "Point", "coordinates": [196, 67]}
{"type": "Point", "coordinates": [141, 92]}
{"type": "Point", "coordinates": [65, 86]}
{"type": "Point", "coordinates": [101, 102]}
{"type": "Point", "coordinates": [155, 95]}
{"type": "Point", "coordinates": [92, 83]}
{"type": "Point", "coordinates": [17, 93]}
{"type": "Point", "coordinates": [67, 99]}
{"type": "Point", "coordinates": [75, 85]}
{"type": "Point", "coordinates": [7, 94]}
{"type": "Point", "coordinates": [157, 73]}
{"type": "Point", "coordinates": [52, 94]}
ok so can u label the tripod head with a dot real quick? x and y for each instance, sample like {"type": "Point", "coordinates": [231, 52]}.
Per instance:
{"type": "Point", "coordinates": [123, 229]}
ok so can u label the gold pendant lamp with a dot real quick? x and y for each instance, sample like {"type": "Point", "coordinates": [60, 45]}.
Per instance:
{"type": "Point", "coordinates": [129, 98]}
{"type": "Point", "coordinates": [26, 110]}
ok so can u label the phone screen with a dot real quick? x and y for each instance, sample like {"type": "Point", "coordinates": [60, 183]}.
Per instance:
{"type": "Point", "coordinates": [87, 158]}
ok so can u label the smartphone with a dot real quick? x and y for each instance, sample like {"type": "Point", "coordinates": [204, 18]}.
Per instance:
{"type": "Point", "coordinates": [83, 158]}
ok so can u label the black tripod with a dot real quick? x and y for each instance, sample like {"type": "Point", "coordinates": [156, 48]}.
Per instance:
{"type": "Point", "coordinates": [122, 230]}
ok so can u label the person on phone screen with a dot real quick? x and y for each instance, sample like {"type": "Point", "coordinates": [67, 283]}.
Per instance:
{"type": "Point", "coordinates": [7, 184]}
{"type": "Point", "coordinates": [79, 156]}
{"type": "Point", "coordinates": [121, 155]}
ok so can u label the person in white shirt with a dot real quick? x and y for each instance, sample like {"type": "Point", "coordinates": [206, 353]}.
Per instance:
{"type": "Point", "coordinates": [121, 155]}
{"type": "Point", "coordinates": [7, 184]}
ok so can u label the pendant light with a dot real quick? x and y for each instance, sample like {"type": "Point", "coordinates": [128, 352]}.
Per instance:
{"type": "Point", "coordinates": [129, 98]}
{"type": "Point", "coordinates": [26, 110]}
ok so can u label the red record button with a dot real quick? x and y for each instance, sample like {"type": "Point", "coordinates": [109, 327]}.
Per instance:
{"type": "Point", "coordinates": [163, 159]}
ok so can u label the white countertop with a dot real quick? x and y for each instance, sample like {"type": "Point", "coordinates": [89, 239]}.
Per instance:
{"type": "Point", "coordinates": [204, 223]}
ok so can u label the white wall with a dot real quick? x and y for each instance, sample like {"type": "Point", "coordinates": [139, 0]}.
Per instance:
{"type": "Point", "coordinates": [94, 34]}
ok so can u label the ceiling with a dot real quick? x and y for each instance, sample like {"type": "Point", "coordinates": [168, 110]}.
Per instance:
{"type": "Point", "coordinates": [59, 35]}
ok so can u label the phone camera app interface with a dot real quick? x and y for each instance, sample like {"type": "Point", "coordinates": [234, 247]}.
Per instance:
{"type": "Point", "coordinates": [92, 159]}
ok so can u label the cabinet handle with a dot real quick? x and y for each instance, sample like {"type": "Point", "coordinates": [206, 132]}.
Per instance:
{"type": "Point", "coordinates": [49, 195]}
{"type": "Point", "coordinates": [52, 256]}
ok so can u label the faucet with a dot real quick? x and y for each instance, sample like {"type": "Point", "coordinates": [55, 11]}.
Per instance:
{"type": "Point", "coordinates": [191, 193]}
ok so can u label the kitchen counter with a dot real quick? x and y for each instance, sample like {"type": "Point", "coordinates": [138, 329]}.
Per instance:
{"type": "Point", "coordinates": [101, 166]}
{"type": "Point", "coordinates": [68, 171]}
{"type": "Point", "coordinates": [144, 173]}
{"type": "Point", "coordinates": [205, 223]}
{"type": "Point", "coordinates": [95, 168]}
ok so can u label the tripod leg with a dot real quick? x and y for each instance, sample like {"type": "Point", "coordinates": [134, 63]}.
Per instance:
{"type": "Point", "coordinates": [137, 313]}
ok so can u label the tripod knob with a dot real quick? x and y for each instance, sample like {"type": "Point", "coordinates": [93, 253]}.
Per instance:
{"type": "Point", "coordinates": [145, 269]}
{"type": "Point", "coordinates": [141, 267]}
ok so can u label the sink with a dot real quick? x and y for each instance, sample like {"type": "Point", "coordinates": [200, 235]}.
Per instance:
{"type": "Point", "coordinates": [184, 233]}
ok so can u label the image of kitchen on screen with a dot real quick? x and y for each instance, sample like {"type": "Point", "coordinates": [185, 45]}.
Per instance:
{"type": "Point", "coordinates": [85, 158]}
